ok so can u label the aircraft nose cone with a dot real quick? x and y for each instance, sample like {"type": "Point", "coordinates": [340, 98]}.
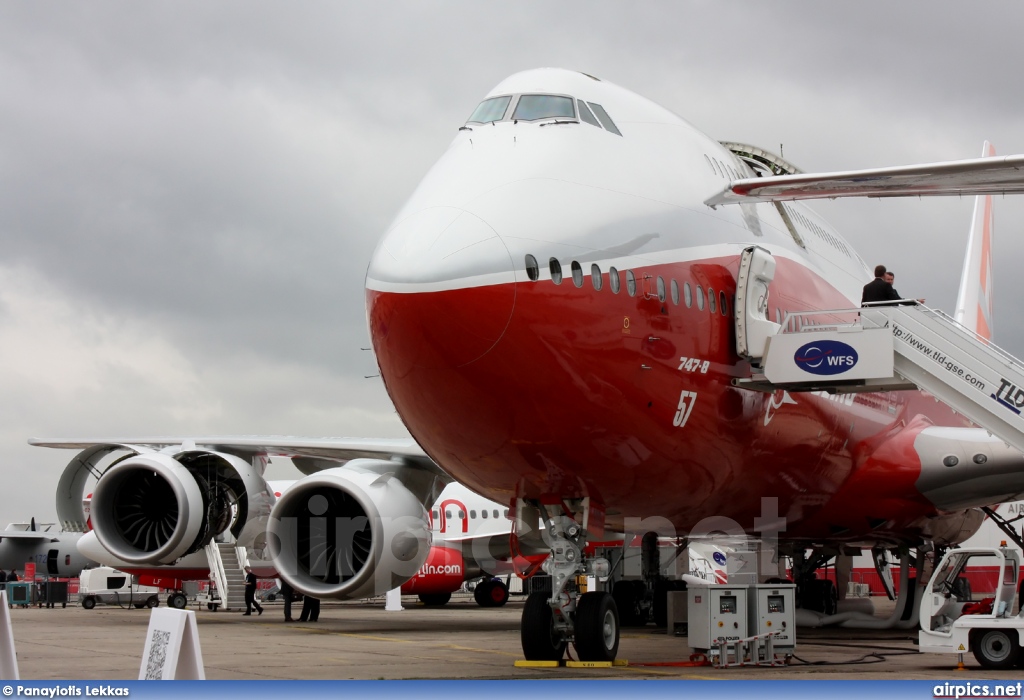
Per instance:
{"type": "Point", "coordinates": [440, 291]}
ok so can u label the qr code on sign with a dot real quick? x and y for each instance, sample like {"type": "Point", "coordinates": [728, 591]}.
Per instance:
{"type": "Point", "coordinates": [157, 655]}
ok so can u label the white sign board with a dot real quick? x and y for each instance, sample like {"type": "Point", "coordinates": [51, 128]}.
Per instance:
{"type": "Point", "coordinates": [172, 649]}
{"type": "Point", "coordinates": [829, 356]}
{"type": "Point", "coordinates": [8, 657]}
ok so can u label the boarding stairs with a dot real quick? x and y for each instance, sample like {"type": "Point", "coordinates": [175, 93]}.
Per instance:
{"type": "Point", "coordinates": [227, 564]}
{"type": "Point", "coordinates": [880, 347]}
{"type": "Point", "coordinates": [886, 348]}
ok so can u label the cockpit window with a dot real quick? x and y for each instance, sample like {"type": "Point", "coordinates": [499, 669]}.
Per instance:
{"type": "Point", "coordinates": [532, 107]}
{"type": "Point", "coordinates": [490, 110]}
{"type": "Point", "coordinates": [586, 115]}
{"type": "Point", "coordinates": [605, 119]}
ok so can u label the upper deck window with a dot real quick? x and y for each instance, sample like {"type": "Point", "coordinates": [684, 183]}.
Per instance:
{"type": "Point", "coordinates": [531, 107]}
{"type": "Point", "coordinates": [605, 119]}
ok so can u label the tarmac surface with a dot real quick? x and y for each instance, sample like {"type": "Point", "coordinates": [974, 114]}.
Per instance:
{"type": "Point", "coordinates": [457, 641]}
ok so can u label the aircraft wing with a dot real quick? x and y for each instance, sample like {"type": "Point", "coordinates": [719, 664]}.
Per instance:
{"type": "Point", "coordinates": [991, 175]}
{"type": "Point", "coordinates": [314, 453]}
{"type": "Point", "coordinates": [28, 536]}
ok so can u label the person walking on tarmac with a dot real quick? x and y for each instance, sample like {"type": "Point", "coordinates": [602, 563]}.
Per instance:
{"type": "Point", "coordinates": [287, 595]}
{"type": "Point", "coordinates": [310, 609]}
{"type": "Point", "coordinates": [250, 595]}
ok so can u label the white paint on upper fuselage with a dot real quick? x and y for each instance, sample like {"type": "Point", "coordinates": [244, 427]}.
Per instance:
{"type": "Point", "coordinates": [577, 192]}
{"type": "Point", "coordinates": [460, 514]}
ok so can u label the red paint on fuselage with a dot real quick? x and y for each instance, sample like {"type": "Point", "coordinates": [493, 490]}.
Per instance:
{"type": "Point", "coordinates": [579, 395]}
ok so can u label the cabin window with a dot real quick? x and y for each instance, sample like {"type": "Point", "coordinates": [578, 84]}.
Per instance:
{"type": "Point", "coordinates": [531, 107]}
{"type": "Point", "coordinates": [506, 512]}
{"type": "Point", "coordinates": [721, 304]}
{"type": "Point", "coordinates": [472, 514]}
{"type": "Point", "coordinates": [606, 121]}
{"type": "Point", "coordinates": [586, 115]}
{"type": "Point", "coordinates": [433, 514]}
{"type": "Point", "coordinates": [661, 289]}
{"type": "Point", "coordinates": [700, 298]}
{"type": "Point", "coordinates": [687, 295]}
{"type": "Point", "coordinates": [630, 283]}
{"type": "Point", "coordinates": [711, 300]}
{"type": "Point", "coordinates": [490, 110]}
{"type": "Point", "coordinates": [556, 270]}
{"type": "Point", "coordinates": [483, 514]}
{"type": "Point", "coordinates": [675, 292]}
{"type": "Point", "coordinates": [532, 268]}
{"type": "Point", "coordinates": [577, 274]}
{"type": "Point", "coordinates": [462, 515]}
{"type": "Point", "coordinates": [448, 514]}
{"type": "Point", "coordinates": [595, 276]}
{"type": "Point", "coordinates": [613, 280]}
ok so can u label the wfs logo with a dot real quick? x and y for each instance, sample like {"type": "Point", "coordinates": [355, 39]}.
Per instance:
{"type": "Point", "coordinates": [825, 357]}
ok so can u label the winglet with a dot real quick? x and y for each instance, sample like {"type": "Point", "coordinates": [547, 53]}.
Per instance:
{"type": "Point", "coordinates": [974, 300]}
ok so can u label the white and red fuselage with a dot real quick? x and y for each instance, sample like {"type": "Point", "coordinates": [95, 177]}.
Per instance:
{"type": "Point", "coordinates": [614, 381]}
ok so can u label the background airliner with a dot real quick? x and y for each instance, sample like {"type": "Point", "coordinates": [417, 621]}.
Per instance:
{"type": "Point", "coordinates": [552, 315]}
{"type": "Point", "coordinates": [52, 551]}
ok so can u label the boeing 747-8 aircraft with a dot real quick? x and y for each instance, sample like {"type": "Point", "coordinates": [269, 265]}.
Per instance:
{"type": "Point", "coordinates": [553, 313]}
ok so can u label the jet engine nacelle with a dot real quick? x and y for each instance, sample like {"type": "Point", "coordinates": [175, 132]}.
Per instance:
{"type": "Point", "coordinates": [156, 507]}
{"type": "Point", "coordinates": [351, 532]}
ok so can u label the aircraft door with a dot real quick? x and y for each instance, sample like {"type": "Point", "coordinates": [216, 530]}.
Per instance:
{"type": "Point", "coordinates": [52, 562]}
{"type": "Point", "coordinates": [753, 327]}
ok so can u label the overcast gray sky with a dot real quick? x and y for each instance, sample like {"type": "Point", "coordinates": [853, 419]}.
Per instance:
{"type": "Point", "coordinates": [190, 191]}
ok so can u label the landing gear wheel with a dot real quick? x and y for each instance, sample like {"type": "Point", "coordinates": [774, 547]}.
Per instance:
{"type": "Point", "coordinates": [819, 595]}
{"type": "Point", "coordinates": [541, 641]}
{"type": "Point", "coordinates": [432, 599]}
{"type": "Point", "coordinates": [996, 648]}
{"type": "Point", "coordinates": [624, 594]}
{"type": "Point", "coordinates": [177, 601]}
{"type": "Point", "coordinates": [597, 627]}
{"type": "Point", "coordinates": [89, 603]}
{"type": "Point", "coordinates": [491, 593]}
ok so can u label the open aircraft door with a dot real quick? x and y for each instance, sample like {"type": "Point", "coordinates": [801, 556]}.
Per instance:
{"type": "Point", "coordinates": [753, 327]}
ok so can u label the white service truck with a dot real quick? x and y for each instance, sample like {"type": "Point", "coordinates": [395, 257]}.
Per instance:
{"type": "Point", "coordinates": [107, 586]}
{"type": "Point", "coordinates": [954, 621]}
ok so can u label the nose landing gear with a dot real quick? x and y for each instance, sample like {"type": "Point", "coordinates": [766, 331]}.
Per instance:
{"type": "Point", "coordinates": [589, 620]}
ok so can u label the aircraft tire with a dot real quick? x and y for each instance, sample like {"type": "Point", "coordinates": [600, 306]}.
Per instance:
{"type": "Point", "coordinates": [498, 594]}
{"type": "Point", "coordinates": [624, 594]}
{"type": "Point", "coordinates": [435, 599]}
{"type": "Point", "coordinates": [490, 593]}
{"type": "Point", "coordinates": [659, 606]}
{"type": "Point", "coordinates": [597, 627]}
{"type": "Point", "coordinates": [996, 648]}
{"type": "Point", "coordinates": [89, 603]}
{"type": "Point", "coordinates": [540, 640]}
